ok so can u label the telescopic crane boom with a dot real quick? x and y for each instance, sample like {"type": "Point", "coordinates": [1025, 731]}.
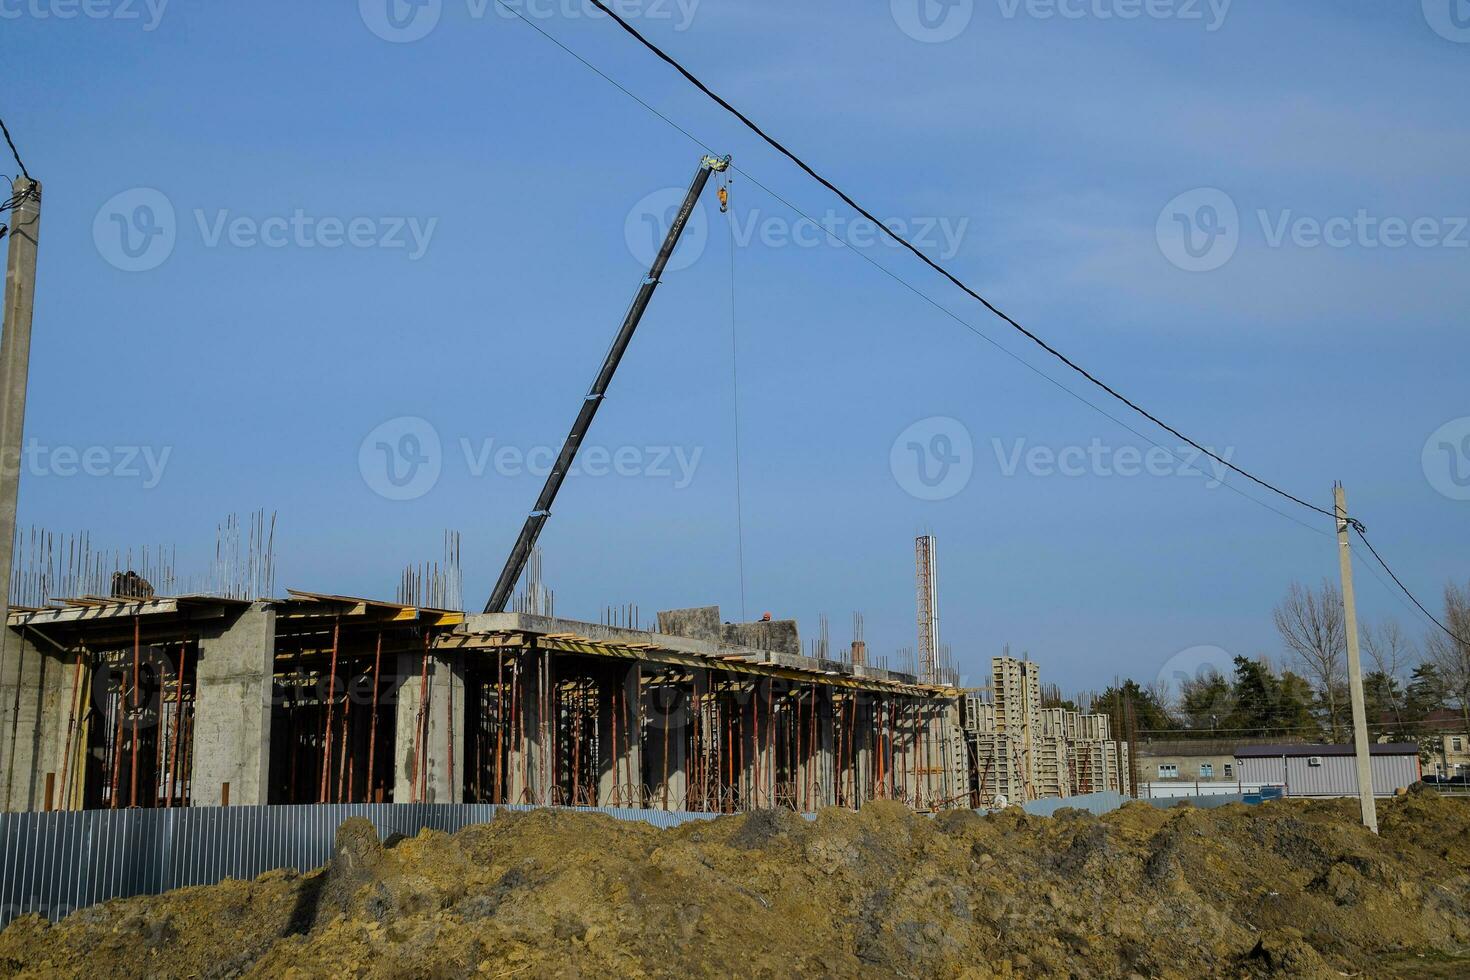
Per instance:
{"type": "Point", "coordinates": [531, 530]}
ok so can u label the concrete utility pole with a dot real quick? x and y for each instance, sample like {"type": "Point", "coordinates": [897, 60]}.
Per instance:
{"type": "Point", "coordinates": [15, 363]}
{"type": "Point", "coordinates": [1355, 665]}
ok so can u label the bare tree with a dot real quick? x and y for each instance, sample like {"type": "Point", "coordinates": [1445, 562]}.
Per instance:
{"type": "Point", "coordinates": [1450, 655]}
{"type": "Point", "coordinates": [1311, 626]}
{"type": "Point", "coordinates": [1391, 651]}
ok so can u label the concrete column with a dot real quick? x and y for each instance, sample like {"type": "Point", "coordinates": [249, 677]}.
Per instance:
{"type": "Point", "coordinates": [529, 759]}
{"type": "Point", "coordinates": [434, 739]}
{"type": "Point", "coordinates": [620, 773]}
{"type": "Point", "coordinates": [232, 710]}
{"type": "Point", "coordinates": [36, 700]}
{"type": "Point", "coordinates": [668, 721]}
{"type": "Point", "coordinates": [862, 747]}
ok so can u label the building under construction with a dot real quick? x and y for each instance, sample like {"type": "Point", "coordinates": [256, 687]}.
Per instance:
{"type": "Point", "coordinates": [196, 700]}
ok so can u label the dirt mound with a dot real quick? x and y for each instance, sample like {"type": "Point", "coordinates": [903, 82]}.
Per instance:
{"type": "Point", "coordinates": [1287, 889]}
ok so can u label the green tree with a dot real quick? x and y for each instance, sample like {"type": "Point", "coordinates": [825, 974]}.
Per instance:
{"type": "Point", "coordinates": [1425, 694]}
{"type": "Point", "coordinates": [1206, 702]}
{"type": "Point", "coordinates": [1149, 713]}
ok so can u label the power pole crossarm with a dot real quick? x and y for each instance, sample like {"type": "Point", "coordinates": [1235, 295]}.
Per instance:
{"type": "Point", "coordinates": [531, 530]}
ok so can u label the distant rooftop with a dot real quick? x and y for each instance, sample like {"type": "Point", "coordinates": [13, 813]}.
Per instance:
{"type": "Point", "coordinates": [1305, 749]}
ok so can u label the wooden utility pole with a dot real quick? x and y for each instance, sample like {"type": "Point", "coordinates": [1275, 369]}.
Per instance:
{"type": "Point", "coordinates": [15, 362]}
{"type": "Point", "coordinates": [1355, 666]}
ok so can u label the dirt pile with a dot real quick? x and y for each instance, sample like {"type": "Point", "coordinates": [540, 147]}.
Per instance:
{"type": "Point", "coordinates": [1288, 889]}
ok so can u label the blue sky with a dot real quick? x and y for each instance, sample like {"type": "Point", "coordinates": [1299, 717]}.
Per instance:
{"type": "Point", "coordinates": [1044, 158]}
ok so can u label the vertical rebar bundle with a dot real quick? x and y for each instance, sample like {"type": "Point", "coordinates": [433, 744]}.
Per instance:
{"type": "Point", "coordinates": [435, 585]}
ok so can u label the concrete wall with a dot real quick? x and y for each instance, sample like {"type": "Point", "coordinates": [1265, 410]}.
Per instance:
{"type": "Point", "coordinates": [232, 710]}
{"type": "Point", "coordinates": [702, 623]}
{"type": "Point", "coordinates": [36, 698]}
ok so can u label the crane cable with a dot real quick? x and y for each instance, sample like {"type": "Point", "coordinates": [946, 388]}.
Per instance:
{"type": "Point", "coordinates": [725, 183]}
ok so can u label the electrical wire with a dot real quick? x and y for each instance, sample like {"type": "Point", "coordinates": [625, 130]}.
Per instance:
{"type": "Point", "coordinates": [13, 151]}
{"type": "Point", "coordinates": [1353, 522]}
{"type": "Point", "coordinates": [1374, 552]}
{"type": "Point", "coordinates": [900, 280]}
{"type": "Point", "coordinates": [906, 244]}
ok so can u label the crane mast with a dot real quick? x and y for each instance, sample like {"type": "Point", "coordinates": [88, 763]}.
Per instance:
{"type": "Point", "coordinates": [531, 530]}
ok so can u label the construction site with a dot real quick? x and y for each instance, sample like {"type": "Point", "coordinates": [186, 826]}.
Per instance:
{"type": "Point", "coordinates": [153, 701]}
{"type": "Point", "coordinates": [210, 771]}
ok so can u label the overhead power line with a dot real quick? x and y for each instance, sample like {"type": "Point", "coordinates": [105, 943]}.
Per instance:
{"type": "Point", "coordinates": [905, 243]}
{"type": "Point", "coordinates": [13, 151]}
{"type": "Point", "coordinates": [969, 291]}
{"type": "Point", "coordinates": [1374, 552]}
{"type": "Point", "coordinates": [750, 124]}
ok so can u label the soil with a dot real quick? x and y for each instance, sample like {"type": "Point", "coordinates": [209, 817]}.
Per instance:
{"type": "Point", "coordinates": [1288, 889]}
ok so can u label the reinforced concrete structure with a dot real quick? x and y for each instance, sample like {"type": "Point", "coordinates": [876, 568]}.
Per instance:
{"type": "Point", "coordinates": [317, 698]}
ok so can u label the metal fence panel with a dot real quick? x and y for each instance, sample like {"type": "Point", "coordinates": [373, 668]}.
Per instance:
{"type": "Point", "coordinates": [55, 863]}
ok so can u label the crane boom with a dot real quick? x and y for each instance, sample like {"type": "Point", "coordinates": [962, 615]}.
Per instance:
{"type": "Point", "coordinates": [531, 530]}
